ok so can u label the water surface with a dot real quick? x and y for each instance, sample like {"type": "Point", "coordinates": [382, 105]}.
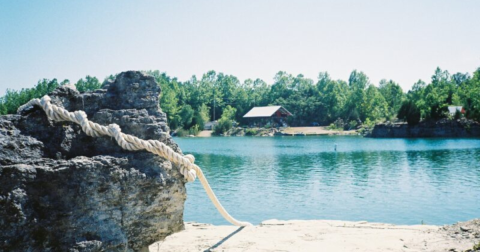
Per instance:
{"type": "Point", "coordinates": [400, 181]}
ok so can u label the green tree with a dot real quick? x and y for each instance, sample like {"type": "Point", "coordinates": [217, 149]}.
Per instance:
{"type": "Point", "coordinates": [225, 122]}
{"type": "Point", "coordinates": [470, 96]}
{"type": "Point", "coordinates": [170, 97]}
{"type": "Point", "coordinates": [3, 108]}
{"type": "Point", "coordinates": [375, 107]}
{"type": "Point", "coordinates": [356, 101]}
{"type": "Point", "coordinates": [393, 94]}
{"type": "Point", "coordinates": [409, 112]}
{"type": "Point", "coordinates": [186, 115]}
{"type": "Point", "coordinates": [88, 84]}
{"type": "Point", "coordinates": [332, 97]}
{"type": "Point", "coordinates": [201, 116]}
{"type": "Point", "coordinates": [14, 99]}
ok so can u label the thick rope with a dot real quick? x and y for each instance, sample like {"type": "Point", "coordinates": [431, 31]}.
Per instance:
{"type": "Point", "coordinates": [128, 142]}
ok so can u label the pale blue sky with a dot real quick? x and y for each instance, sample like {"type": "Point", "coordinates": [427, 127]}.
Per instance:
{"type": "Point", "coordinates": [400, 40]}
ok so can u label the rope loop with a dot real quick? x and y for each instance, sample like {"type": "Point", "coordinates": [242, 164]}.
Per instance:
{"type": "Point", "coordinates": [190, 158]}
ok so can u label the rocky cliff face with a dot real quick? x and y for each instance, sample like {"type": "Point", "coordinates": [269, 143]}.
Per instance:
{"type": "Point", "coordinates": [61, 190]}
{"type": "Point", "coordinates": [442, 128]}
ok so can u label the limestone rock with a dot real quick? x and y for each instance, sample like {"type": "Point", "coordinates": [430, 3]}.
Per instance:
{"type": "Point", "coordinates": [61, 190]}
{"type": "Point", "coordinates": [441, 128]}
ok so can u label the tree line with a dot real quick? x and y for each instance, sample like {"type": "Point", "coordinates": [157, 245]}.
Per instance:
{"type": "Point", "coordinates": [356, 101]}
{"type": "Point", "coordinates": [13, 99]}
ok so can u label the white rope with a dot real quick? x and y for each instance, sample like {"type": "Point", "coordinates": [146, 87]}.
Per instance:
{"type": "Point", "coordinates": [186, 163]}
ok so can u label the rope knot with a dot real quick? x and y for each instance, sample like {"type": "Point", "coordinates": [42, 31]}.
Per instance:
{"type": "Point", "coordinates": [190, 158]}
{"type": "Point", "coordinates": [80, 116]}
{"type": "Point", "coordinates": [45, 99]}
{"type": "Point", "coordinates": [114, 129]}
{"type": "Point", "coordinates": [190, 175]}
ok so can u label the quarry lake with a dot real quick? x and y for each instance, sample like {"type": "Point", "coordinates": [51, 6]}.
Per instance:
{"type": "Point", "coordinates": [400, 181]}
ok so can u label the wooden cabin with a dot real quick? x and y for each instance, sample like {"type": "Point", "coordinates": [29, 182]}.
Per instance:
{"type": "Point", "coordinates": [261, 116]}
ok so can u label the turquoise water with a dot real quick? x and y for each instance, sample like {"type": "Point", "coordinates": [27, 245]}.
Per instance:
{"type": "Point", "coordinates": [400, 181]}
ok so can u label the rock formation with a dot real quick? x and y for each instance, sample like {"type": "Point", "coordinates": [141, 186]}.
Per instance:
{"type": "Point", "coordinates": [61, 190]}
{"type": "Point", "coordinates": [441, 128]}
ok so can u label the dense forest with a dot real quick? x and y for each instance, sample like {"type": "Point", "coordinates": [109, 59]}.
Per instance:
{"type": "Point", "coordinates": [348, 104]}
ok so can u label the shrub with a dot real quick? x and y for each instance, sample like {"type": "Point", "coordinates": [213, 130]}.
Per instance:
{"type": "Point", "coordinates": [438, 111]}
{"type": "Point", "coordinates": [409, 112]}
{"type": "Point", "coordinates": [337, 125]}
{"type": "Point", "coordinates": [251, 132]}
{"type": "Point", "coordinates": [223, 126]}
{"type": "Point", "coordinates": [368, 123]}
{"type": "Point", "coordinates": [90, 83]}
{"type": "Point", "coordinates": [194, 130]}
{"type": "Point", "coordinates": [182, 132]}
{"type": "Point", "coordinates": [352, 124]}
{"type": "Point", "coordinates": [457, 115]}
{"type": "Point", "coordinates": [331, 126]}
{"type": "Point", "coordinates": [201, 116]}
{"type": "Point", "coordinates": [225, 123]}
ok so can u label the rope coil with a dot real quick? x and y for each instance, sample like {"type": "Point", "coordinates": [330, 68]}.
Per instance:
{"type": "Point", "coordinates": [186, 164]}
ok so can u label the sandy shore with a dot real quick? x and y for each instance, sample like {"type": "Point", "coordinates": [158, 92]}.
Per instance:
{"type": "Point", "coordinates": [317, 131]}
{"type": "Point", "coordinates": [205, 133]}
{"type": "Point", "coordinates": [319, 235]}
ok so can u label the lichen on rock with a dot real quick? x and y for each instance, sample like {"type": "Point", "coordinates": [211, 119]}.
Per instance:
{"type": "Point", "coordinates": [61, 190]}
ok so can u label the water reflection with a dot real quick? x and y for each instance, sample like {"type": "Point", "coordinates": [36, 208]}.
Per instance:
{"type": "Point", "coordinates": [403, 181]}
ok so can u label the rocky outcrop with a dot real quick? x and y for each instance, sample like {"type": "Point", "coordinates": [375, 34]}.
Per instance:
{"type": "Point", "coordinates": [239, 131]}
{"type": "Point", "coordinates": [441, 128]}
{"type": "Point", "coordinates": [464, 231]}
{"type": "Point", "coordinates": [61, 190]}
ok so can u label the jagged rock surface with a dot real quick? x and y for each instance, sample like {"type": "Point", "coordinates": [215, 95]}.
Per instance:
{"type": "Point", "coordinates": [61, 190]}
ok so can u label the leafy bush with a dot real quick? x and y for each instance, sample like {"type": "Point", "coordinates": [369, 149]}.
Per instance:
{"type": "Point", "coordinates": [187, 132]}
{"type": "Point", "coordinates": [251, 132]}
{"type": "Point", "coordinates": [90, 83]}
{"type": "Point", "coordinates": [332, 127]}
{"type": "Point", "coordinates": [368, 123]}
{"type": "Point", "coordinates": [367, 127]}
{"type": "Point", "coordinates": [194, 130]}
{"type": "Point", "coordinates": [352, 124]}
{"type": "Point", "coordinates": [438, 112]}
{"type": "Point", "coordinates": [201, 116]}
{"type": "Point", "coordinates": [229, 112]}
{"type": "Point", "coordinates": [225, 123]}
{"type": "Point", "coordinates": [409, 112]}
{"type": "Point", "coordinates": [337, 125]}
{"type": "Point", "coordinates": [182, 132]}
{"type": "Point", "coordinates": [223, 126]}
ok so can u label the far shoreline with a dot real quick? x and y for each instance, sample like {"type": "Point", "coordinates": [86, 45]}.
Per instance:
{"type": "Point", "coordinates": [288, 131]}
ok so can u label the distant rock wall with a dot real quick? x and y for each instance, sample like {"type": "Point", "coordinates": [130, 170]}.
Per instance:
{"type": "Point", "coordinates": [441, 128]}
{"type": "Point", "coordinates": [61, 190]}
